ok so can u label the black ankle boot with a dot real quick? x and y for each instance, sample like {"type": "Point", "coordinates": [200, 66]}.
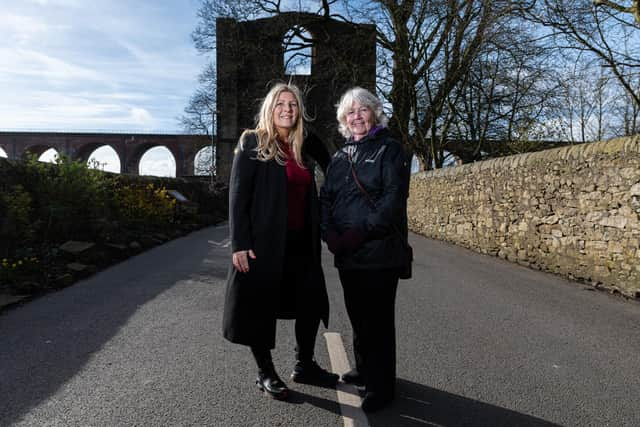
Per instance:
{"type": "Point", "coordinates": [272, 385]}
{"type": "Point", "coordinates": [353, 377]}
{"type": "Point", "coordinates": [268, 380]}
{"type": "Point", "coordinates": [373, 401]}
{"type": "Point", "coordinates": [309, 372]}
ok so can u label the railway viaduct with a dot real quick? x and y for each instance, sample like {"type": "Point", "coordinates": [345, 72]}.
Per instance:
{"type": "Point", "coordinates": [130, 147]}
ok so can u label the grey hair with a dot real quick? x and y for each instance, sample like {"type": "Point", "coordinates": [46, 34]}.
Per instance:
{"type": "Point", "coordinates": [362, 97]}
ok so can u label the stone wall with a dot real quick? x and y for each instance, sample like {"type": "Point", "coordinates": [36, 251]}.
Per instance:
{"type": "Point", "coordinates": [574, 211]}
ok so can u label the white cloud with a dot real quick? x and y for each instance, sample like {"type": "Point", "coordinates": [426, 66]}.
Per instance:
{"type": "Point", "coordinates": [85, 111]}
{"type": "Point", "coordinates": [141, 116]}
{"type": "Point", "coordinates": [49, 156]}
{"type": "Point", "coordinates": [21, 29]}
{"type": "Point", "coordinates": [107, 159]}
{"type": "Point", "coordinates": [117, 65]}
{"type": "Point", "coordinates": [24, 63]}
{"type": "Point", "coordinates": [63, 3]}
{"type": "Point", "coordinates": [158, 161]}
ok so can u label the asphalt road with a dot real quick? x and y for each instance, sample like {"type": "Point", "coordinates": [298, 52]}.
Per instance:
{"type": "Point", "coordinates": [481, 342]}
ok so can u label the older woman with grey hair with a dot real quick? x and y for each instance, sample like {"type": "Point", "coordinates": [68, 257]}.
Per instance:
{"type": "Point", "coordinates": [364, 222]}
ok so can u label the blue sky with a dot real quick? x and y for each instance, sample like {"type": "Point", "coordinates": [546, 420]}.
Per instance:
{"type": "Point", "coordinates": [77, 65]}
{"type": "Point", "coordinates": [115, 65]}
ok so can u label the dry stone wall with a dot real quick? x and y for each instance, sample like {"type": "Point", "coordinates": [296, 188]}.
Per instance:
{"type": "Point", "coordinates": [574, 211]}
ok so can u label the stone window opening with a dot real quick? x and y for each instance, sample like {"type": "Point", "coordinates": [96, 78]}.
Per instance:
{"type": "Point", "coordinates": [298, 51]}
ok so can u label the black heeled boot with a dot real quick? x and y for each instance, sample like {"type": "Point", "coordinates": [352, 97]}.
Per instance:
{"type": "Point", "coordinates": [268, 380]}
{"type": "Point", "coordinates": [306, 370]}
{"type": "Point", "coordinates": [309, 372]}
{"type": "Point", "coordinates": [353, 377]}
{"type": "Point", "coordinates": [374, 401]}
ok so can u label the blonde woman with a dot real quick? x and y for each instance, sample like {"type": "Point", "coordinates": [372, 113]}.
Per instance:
{"type": "Point", "coordinates": [274, 222]}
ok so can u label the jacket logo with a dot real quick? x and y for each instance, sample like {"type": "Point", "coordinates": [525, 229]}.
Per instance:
{"type": "Point", "coordinates": [370, 161]}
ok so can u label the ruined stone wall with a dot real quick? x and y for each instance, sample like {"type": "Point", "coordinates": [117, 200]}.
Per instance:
{"type": "Point", "coordinates": [250, 59]}
{"type": "Point", "coordinates": [574, 211]}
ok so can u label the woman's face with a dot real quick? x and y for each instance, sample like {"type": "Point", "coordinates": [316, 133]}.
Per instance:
{"type": "Point", "coordinates": [285, 113]}
{"type": "Point", "coordinates": [359, 120]}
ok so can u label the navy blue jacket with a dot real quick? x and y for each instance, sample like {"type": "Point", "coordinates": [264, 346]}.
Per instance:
{"type": "Point", "coordinates": [381, 166]}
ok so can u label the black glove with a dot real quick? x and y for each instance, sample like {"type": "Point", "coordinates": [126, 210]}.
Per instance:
{"type": "Point", "coordinates": [334, 242]}
{"type": "Point", "coordinates": [352, 239]}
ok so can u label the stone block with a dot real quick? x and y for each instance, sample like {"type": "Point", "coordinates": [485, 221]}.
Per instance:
{"type": "Point", "coordinates": [77, 267]}
{"type": "Point", "coordinates": [616, 221]}
{"type": "Point", "coordinates": [594, 216]}
{"type": "Point", "coordinates": [75, 247]}
{"type": "Point", "coordinates": [615, 247]}
{"type": "Point", "coordinates": [596, 246]}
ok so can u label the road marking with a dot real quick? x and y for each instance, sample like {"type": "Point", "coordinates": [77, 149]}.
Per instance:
{"type": "Point", "coordinates": [420, 420]}
{"type": "Point", "coordinates": [224, 243]}
{"type": "Point", "coordinates": [348, 396]}
{"type": "Point", "coordinates": [424, 402]}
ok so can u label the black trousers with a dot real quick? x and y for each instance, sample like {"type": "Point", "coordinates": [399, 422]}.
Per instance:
{"type": "Point", "coordinates": [292, 297]}
{"type": "Point", "coordinates": [369, 297]}
{"type": "Point", "coordinates": [306, 331]}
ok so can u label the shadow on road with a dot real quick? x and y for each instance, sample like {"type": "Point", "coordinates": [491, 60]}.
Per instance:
{"type": "Point", "coordinates": [47, 342]}
{"type": "Point", "coordinates": [419, 405]}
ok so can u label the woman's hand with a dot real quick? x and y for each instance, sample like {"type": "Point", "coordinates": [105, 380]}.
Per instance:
{"type": "Point", "coordinates": [352, 239]}
{"type": "Point", "coordinates": [241, 260]}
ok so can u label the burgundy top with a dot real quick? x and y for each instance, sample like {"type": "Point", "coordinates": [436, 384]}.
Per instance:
{"type": "Point", "coordinates": [298, 183]}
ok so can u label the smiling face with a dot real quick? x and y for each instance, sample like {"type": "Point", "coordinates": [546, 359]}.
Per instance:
{"type": "Point", "coordinates": [359, 120]}
{"type": "Point", "coordinates": [285, 114]}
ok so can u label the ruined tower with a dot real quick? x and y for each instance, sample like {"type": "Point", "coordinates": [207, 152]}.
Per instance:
{"type": "Point", "coordinates": [251, 56]}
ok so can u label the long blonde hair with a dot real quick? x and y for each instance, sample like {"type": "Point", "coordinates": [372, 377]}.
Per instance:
{"type": "Point", "coordinates": [268, 147]}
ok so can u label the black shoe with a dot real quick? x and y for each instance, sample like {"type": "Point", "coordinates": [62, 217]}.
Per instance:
{"type": "Point", "coordinates": [311, 373]}
{"type": "Point", "coordinates": [272, 385]}
{"type": "Point", "coordinates": [375, 401]}
{"type": "Point", "coordinates": [353, 377]}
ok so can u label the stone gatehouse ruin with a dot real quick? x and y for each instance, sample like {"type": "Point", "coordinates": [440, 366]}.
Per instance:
{"type": "Point", "coordinates": [252, 56]}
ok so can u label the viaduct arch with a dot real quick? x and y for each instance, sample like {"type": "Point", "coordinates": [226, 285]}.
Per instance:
{"type": "Point", "coordinates": [129, 147]}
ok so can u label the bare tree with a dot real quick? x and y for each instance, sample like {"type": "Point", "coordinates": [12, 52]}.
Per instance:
{"type": "Point", "coordinates": [471, 72]}
{"type": "Point", "coordinates": [634, 9]}
{"type": "Point", "coordinates": [199, 114]}
{"type": "Point", "coordinates": [426, 50]}
{"type": "Point", "coordinates": [507, 91]}
{"type": "Point", "coordinates": [200, 118]}
{"type": "Point", "coordinates": [604, 33]}
{"type": "Point", "coordinates": [438, 38]}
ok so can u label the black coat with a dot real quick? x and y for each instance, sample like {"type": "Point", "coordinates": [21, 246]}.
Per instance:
{"type": "Point", "coordinates": [382, 168]}
{"type": "Point", "coordinates": [258, 220]}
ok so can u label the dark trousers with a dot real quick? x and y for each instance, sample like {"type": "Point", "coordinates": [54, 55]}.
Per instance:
{"type": "Point", "coordinates": [292, 297]}
{"type": "Point", "coordinates": [306, 331]}
{"type": "Point", "coordinates": [369, 297]}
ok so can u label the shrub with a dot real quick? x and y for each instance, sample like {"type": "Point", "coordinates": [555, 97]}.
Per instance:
{"type": "Point", "coordinates": [18, 269]}
{"type": "Point", "coordinates": [70, 197]}
{"type": "Point", "coordinates": [15, 219]}
{"type": "Point", "coordinates": [145, 207]}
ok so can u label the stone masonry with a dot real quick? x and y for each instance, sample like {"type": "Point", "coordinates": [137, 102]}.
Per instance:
{"type": "Point", "coordinates": [250, 60]}
{"type": "Point", "coordinates": [574, 211]}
